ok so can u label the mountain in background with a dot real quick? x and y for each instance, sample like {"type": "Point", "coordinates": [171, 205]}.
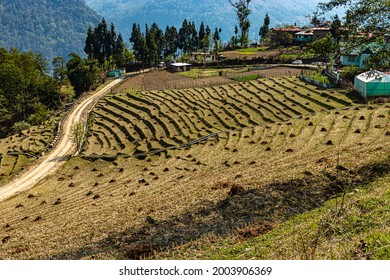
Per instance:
{"type": "Point", "coordinates": [50, 27]}
{"type": "Point", "coordinates": [217, 13]}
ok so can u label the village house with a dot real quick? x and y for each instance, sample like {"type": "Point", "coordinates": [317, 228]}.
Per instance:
{"type": "Point", "coordinates": [117, 73]}
{"type": "Point", "coordinates": [203, 57]}
{"type": "Point", "coordinates": [320, 32]}
{"type": "Point", "coordinates": [310, 35]}
{"type": "Point", "coordinates": [355, 58]}
{"type": "Point", "coordinates": [284, 35]}
{"type": "Point", "coordinates": [303, 37]}
{"type": "Point", "coordinates": [297, 36]}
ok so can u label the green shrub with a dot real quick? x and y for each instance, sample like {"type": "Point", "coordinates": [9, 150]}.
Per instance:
{"type": "Point", "coordinates": [318, 77]}
{"type": "Point", "coordinates": [246, 78]}
{"type": "Point", "coordinates": [288, 57]}
{"type": "Point", "coordinates": [349, 72]}
{"type": "Point", "coordinates": [39, 116]}
{"type": "Point", "coordinates": [20, 126]}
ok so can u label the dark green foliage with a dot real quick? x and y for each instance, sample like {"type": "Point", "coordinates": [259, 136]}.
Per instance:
{"type": "Point", "coordinates": [217, 13]}
{"type": "Point", "coordinates": [366, 22]}
{"type": "Point", "coordinates": [336, 29]}
{"type": "Point", "coordinates": [171, 42]}
{"type": "Point", "coordinates": [155, 43]}
{"type": "Point", "coordinates": [139, 43]}
{"type": "Point", "coordinates": [153, 46]}
{"type": "Point", "coordinates": [323, 47]}
{"type": "Point", "coordinates": [26, 91]}
{"type": "Point", "coordinates": [59, 69]}
{"type": "Point", "coordinates": [51, 27]}
{"type": "Point", "coordinates": [264, 30]}
{"type": "Point", "coordinates": [83, 74]}
{"type": "Point", "coordinates": [104, 45]}
{"type": "Point", "coordinates": [185, 37]}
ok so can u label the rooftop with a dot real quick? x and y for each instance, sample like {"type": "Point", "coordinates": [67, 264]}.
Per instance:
{"type": "Point", "coordinates": [374, 76]}
{"type": "Point", "coordinates": [180, 64]}
{"type": "Point", "coordinates": [305, 32]}
{"type": "Point", "coordinates": [291, 29]}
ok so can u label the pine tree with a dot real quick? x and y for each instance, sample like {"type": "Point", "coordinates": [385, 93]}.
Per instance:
{"type": "Point", "coordinates": [194, 38]}
{"type": "Point", "coordinates": [171, 42]}
{"type": "Point", "coordinates": [264, 30]}
{"type": "Point", "coordinates": [202, 34]}
{"type": "Point", "coordinates": [101, 35]}
{"type": "Point", "coordinates": [90, 43]}
{"type": "Point", "coordinates": [185, 37]}
{"type": "Point", "coordinates": [335, 29]}
{"type": "Point", "coordinates": [216, 38]}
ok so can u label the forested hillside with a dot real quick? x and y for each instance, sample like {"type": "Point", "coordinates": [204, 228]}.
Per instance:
{"type": "Point", "coordinates": [50, 27]}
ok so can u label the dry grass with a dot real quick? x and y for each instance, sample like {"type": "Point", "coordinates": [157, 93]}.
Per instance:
{"type": "Point", "coordinates": [103, 210]}
{"type": "Point", "coordinates": [237, 184]}
{"type": "Point", "coordinates": [141, 122]}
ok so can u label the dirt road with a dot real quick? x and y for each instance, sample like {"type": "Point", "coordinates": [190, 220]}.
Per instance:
{"type": "Point", "coordinates": [51, 162]}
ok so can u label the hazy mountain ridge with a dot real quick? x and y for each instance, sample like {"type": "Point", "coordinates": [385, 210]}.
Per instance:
{"type": "Point", "coordinates": [218, 13]}
{"type": "Point", "coordinates": [50, 27]}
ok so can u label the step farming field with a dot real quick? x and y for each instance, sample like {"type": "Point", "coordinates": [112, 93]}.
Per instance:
{"type": "Point", "coordinates": [134, 123]}
{"type": "Point", "coordinates": [21, 149]}
{"type": "Point", "coordinates": [215, 162]}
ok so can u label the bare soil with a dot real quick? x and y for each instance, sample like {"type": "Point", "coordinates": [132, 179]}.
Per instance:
{"type": "Point", "coordinates": [159, 80]}
{"type": "Point", "coordinates": [166, 80]}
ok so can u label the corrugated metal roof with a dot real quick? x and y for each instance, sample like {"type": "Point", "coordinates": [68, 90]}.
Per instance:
{"type": "Point", "coordinates": [295, 29]}
{"type": "Point", "coordinates": [179, 64]}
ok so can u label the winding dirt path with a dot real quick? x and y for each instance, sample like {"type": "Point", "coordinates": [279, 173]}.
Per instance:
{"type": "Point", "coordinates": [64, 149]}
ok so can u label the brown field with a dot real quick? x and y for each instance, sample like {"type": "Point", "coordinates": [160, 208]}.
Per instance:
{"type": "Point", "coordinates": [166, 80]}
{"type": "Point", "coordinates": [277, 161]}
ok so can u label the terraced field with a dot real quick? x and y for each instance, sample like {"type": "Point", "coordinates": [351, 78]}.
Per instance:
{"type": "Point", "coordinates": [216, 162]}
{"type": "Point", "coordinates": [18, 150]}
{"type": "Point", "coordinates": [152, 121]}
{"type": "Point", "coordinates": [131, 207]}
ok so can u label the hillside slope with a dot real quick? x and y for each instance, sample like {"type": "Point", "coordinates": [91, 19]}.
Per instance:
{"type": "Point", "coordinates": [50, 27]}
{"type": "Point", "coordinates": [218, 13]}
{"type": "Point", "coordinates": [253, 171]}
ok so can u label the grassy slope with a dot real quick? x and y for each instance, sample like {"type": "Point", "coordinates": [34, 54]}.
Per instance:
{"type": "Point", "coordinates": [354, 225]}
{"type": "Point", "coordinates": [101, 210]}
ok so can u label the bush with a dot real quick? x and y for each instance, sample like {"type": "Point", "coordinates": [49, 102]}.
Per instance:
{"type": "Point", "coordinates": [349, 73]}
{"type": "Point", "coordinates": [318, 77]}
{"type": "Point", "coordinates": [39, 116]}
{"type": "Point", "coordinates": [288, 57]}
{"type": "Point", "coordinates": [20, 126]}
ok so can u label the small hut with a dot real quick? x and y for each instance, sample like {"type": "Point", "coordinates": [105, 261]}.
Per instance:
{"type": "Point", "coordinates": [117, 72]}
{"type": "Point", "coordinates": [179, 67]}
{"type": "Point", "coordinates": [373, 84]}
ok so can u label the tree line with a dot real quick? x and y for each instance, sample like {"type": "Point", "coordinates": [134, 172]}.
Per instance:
{"type": "Point", "coordinates": [155, 45]}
